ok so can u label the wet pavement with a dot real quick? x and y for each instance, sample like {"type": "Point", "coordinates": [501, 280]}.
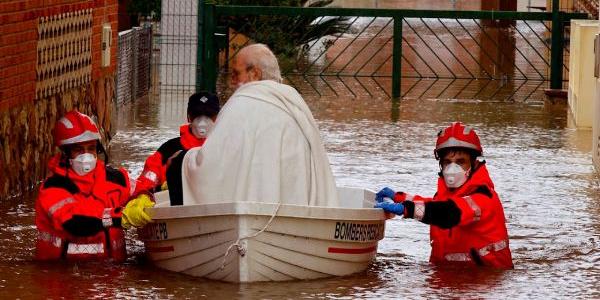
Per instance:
{"type": "Point", "coordinates": [541, 167]}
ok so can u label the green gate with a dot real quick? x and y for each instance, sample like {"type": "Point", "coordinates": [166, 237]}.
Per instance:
{"type": "Point", "coordinates": [394, 53]}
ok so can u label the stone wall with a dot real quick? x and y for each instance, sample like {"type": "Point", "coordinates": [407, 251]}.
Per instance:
{"type": "Point", "coordinates": [26, 132]}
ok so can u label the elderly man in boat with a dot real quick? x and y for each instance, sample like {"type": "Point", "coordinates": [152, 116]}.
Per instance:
{"type": "Point", "coordinates": [265, 146]}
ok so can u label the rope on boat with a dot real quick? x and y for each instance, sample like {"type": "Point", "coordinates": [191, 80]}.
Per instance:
{"type": "Point", "coordinates": [239, 247]}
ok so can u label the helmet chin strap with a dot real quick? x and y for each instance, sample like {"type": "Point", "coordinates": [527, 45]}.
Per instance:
{"type": "Point", "coordinates": [101, 150]}
{"type": "Point", "coordinates": [65, 154]}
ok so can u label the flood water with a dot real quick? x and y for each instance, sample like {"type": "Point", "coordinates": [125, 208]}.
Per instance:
{"type": "Point", "coordinates": [541, 167]}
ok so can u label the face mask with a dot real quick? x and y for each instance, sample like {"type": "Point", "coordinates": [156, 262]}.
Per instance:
{"type": "Point", "coordinates": [201, 126]}
{"type": "Point", "coordinates": [454, 175]}
{"type": "Point", "coordinates": [83, 163]}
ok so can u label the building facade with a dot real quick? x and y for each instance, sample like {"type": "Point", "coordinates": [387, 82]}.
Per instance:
{"type": "Point", "coordinates": [54, 56]}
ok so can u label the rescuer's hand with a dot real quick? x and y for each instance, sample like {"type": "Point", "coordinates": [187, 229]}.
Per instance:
{"type": "Point", "coordinates": [164, 186]}
{"type": "Point", "coordinates": [134, 214]}
{"type": "Point", "coordinates": [395, 208]}
{"type": "Point", "coordinates": [385, 192]}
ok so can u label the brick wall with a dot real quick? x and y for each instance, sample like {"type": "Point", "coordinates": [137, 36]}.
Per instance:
{"type": "Point", "coordinates": [26, 121]}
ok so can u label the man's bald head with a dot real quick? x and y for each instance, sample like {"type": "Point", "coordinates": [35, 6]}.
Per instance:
{"type": "Point", "coordinates": [255, 62]}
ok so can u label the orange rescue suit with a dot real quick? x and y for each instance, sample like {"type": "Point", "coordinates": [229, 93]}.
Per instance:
{"type": "Point", "coordinates": [468, 223]}
{"type": "Point", "coordinates": [78, 217]}
{"type": "Point", "coordinates": [155, 167]}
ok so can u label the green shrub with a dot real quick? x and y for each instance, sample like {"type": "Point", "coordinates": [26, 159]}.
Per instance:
{"type": "Point", "coordinates": [286, 36]}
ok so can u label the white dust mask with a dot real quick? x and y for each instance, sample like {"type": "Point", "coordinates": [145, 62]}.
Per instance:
{"type": "Point", "coordinates": [83, 163]}
{"type": "Point", "coordinates": [454, 175]}
{"type": "Point", "coordinates": [201, 126]}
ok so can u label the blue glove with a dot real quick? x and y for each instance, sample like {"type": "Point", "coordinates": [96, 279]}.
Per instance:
{"type": "Point", "coordinates": [385, 192]}
{"type": "Point", "coordinates": [395, 208]}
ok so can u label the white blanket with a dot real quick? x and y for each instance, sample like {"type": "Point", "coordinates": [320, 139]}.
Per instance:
{"type": "Point", "coordinates": [265, 147]}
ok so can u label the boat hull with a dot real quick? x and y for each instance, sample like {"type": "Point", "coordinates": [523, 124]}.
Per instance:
{"type": "Point", "coordinates": [241, 242]}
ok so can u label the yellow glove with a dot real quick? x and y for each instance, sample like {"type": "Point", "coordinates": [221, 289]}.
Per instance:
{"type": "Point", "coordinates": [164, 186]}
{"type": "Point", "coordinates": [134, 214]}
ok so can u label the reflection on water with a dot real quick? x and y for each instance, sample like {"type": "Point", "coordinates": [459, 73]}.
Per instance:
{"type": "Point", "coordinates": [541, 167]}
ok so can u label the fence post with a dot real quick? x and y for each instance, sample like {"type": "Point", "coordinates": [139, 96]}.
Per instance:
{"type": "Point", "coordinates": [397, 58]}
{"type": "Point", "coordinates": [199, 44]}
{"type": "Point", "coordinates": [556, 54]}
{"type": "Point", "coordinates": [209, 66]}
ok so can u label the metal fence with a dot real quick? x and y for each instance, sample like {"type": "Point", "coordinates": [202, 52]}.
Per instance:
{"type": "Point", "coordinates": [177, 42]}
{"type": "Point", "coordinates": [372, 52]}
{"type": "Point", "coordinates": [133, 64]}
{"type": "Point", "coordinates": [402, 53]}
{"type": "Point", "coordinates": [588, 6]}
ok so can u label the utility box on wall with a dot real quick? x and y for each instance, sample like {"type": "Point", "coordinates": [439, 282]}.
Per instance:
{"type": "Point", "coordinates": [582, 84]}
{"type": "Point", "coordinates": [106, 43]}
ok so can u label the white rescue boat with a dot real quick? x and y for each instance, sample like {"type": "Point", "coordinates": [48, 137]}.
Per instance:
{"type": "Point", "coordinates": [253, 241]}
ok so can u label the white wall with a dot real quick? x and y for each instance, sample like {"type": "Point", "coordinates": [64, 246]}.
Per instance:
{"type": "Point", "coordinates": [582, 83]}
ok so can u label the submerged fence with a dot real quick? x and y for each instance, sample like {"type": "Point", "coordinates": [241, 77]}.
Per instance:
{"type": "Point", "coordinates": [384, 52]}
{"type": "Point", "coordinates": [133, 67]}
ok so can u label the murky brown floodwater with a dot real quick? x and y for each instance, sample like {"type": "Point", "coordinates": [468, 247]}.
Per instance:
{"type": "Point", "coordinates": [541, 167]}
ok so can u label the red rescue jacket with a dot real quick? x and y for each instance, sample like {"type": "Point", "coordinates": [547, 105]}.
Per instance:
{"type": "Point", "coordinates": [155, 167]}
{"type": "Point", "coordinates": [480, 237]}
{"type": "Point", "coordinates": [78, 217]}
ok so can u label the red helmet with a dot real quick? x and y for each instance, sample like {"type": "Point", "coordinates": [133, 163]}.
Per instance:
{"type": "Point", "coordinates": [75, 127]}
{"type": "Point", "coordinates": [457, 135]}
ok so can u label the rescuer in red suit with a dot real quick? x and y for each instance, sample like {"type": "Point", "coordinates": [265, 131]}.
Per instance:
{"type": "Point", "coordinates": [466, 215]}
{"type": "Point", "coordinates": [84, 204]}
{"type": "Point", "coordinates": [202, 111]}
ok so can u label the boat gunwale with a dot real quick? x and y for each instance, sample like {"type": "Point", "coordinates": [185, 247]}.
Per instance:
{"type": "Point", "coordinates": [267, 210]}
